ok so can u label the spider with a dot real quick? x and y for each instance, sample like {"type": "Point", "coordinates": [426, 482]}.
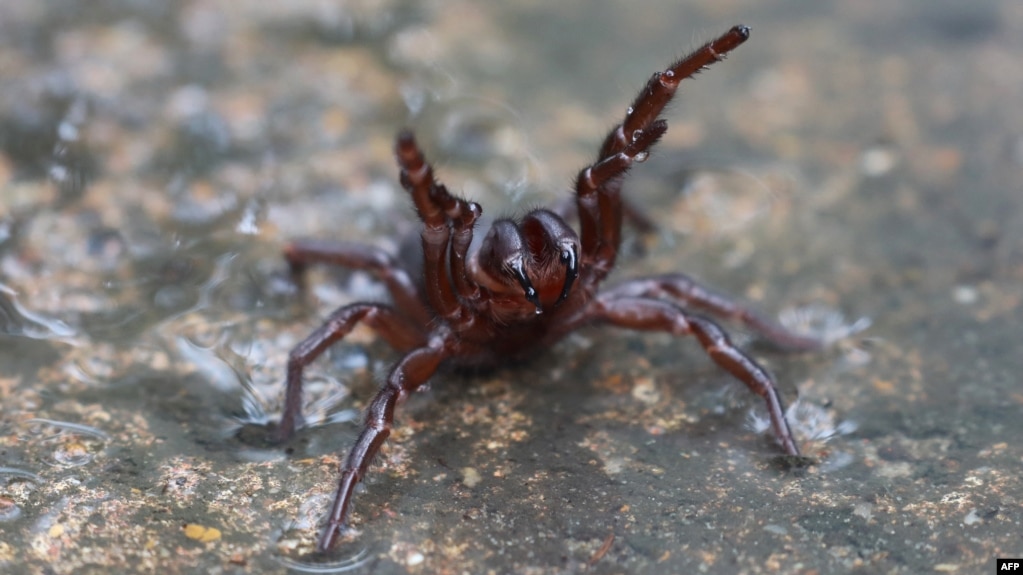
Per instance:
{"type": "Point", "coordinates": [530, 282]}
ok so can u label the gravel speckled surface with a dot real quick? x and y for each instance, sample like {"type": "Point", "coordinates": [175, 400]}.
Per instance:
{"type": "Point", "coordinates": [855, 169]}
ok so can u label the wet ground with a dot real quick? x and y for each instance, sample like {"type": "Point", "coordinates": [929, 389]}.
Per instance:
{"type": "Point", "coordinates": [853, 168]}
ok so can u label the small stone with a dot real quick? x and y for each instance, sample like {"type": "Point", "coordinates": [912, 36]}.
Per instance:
{"type": "Point", "coordinates": [470, 477]}
{"type": "Point", "coordinates": [201, 533]}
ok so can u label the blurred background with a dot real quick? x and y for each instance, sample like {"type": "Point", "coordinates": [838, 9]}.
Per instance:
{"type": "Point", "coordinates": [853, 169]}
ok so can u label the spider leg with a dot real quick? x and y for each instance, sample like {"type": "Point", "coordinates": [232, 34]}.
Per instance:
{"type": "Point", "coordinates": [686, 292]}
{"type": "Point", "coordinates": [398, 332]}
{"type": "Point", "coordinates": [600, 207]}
{"type": "Point", "coordinates": [447, 231]}
{"type": "Point", "coordinates": [462, 215]}
{"type": "Point", "coordinates": [411, 372]}
{"type": "Point", "coordinates": [599, 203]}
{"type": "Point", "coordinates": [655, 315]}
{"type": "Point", "coordinates": [661, 87]}
{"type": "Point", "coordinates": [302, 253]}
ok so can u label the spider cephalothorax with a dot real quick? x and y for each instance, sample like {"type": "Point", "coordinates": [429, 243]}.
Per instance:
{"type": "Point", "coordinates": [530, 282]}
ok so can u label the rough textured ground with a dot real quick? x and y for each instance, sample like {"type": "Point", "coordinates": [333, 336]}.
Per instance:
{"type": "Point", "coordinates": [850, 161]}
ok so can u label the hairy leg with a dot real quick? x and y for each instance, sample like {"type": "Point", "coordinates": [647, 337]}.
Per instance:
{"type": "Point", "coordinates": [441, 214]}
{"type": "Point", "coordinates": [599, 200]}
{"type": "Point", "coordinates": [412, 371]}
{"type": "Point", "coordinates": [401, 334]}
{"type": "Point", "coordinates": [462, 215]}
{"type": "Point", "coordinates": [654, 315]}
{"type": "Point", "coordinates": [688, 293]}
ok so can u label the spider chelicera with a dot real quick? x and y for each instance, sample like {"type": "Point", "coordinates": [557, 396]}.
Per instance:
{"type": "Point", "coordinates": [530, 282]}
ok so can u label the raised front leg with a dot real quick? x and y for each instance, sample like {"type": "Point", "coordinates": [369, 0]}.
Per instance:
{"type": "Point", "coordinates": [598, 198]}
{"type": "Point", "coordinates": [412, 371]}
{"type": "Point", "coordinates": [689, 293]}
{"type": "Point", "coordinates": [433, 204]}
{"type": "Point", "coordinates": [655, 315]}
{"type": "Point", "coordinates": [401, 334]}
{"type": "Point", "coordinates": [600, 207]}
